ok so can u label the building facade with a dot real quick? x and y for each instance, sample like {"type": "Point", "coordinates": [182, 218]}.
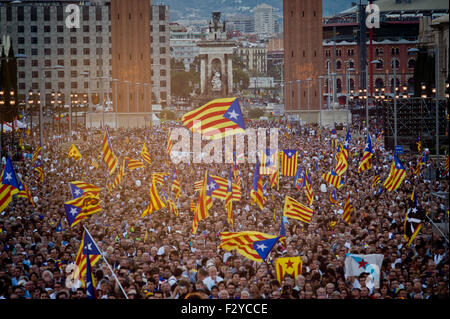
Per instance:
{"type": "Point", "coordinates": [264, 20]}
{"type": "Point", "coordinates": [160, 54]}
{"type": "Point", "coordinates": [242, 23]}
{"type": "Point", "coordinates": [183, 44]}
{"type": "Point", "coordinates": [82, 56]}
{"type": "Point", "coordinates": [254, 56]}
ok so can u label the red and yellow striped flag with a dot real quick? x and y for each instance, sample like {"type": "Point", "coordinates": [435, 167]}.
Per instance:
{"type": "Point", "coordinates": [308, 189]}
{"type": "Point", "coordinates": [74, 153]}
{"type": "Point", "coordinates": [396, 175]}
{"type": "Point", "coordinates": [237, 193]}
{"type": "Point", "coordinates": [293, 209]}
{"type": "Point", "coordinates": [169, 143]}
{"type": "Point", "coordinates": [25, 193]}
{"type": "Point", "coordinates": [333, 179]}
{"type": "Point", "coordinates": [348, 209]}
{"type": "Point", "coordinates": [216, 119]}
{"type": "Point", "coordinates": [155, 202]}
{"type": "Point", "coordinates": [134, 164]}
{"type": "Point", "coordinates": [289, 160]}
{"type": "Point", "coordinates": [108, 154]}
{"type": "Point", "coordinates": [366, 161]}
{"type": "Point", "coordinates": [288, 265]}
{"type": "Point", "coordinates": [202, 208]}
{"type": "Point", "coordinates": [36, 153]}
{"type": "Point", "coordinates": [146, 155]}
{"type": "Point", "coordinates": [242, 242]}
{"type": "Point", "coordinates": [94, 255]}
{"type": "Point", "coordinates": [229, 199]}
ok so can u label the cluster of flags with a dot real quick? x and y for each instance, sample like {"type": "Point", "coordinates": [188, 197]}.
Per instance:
{"type": "Point", "coordinates": [85, 202]}
{"type": "Point", "coordinates": [214, 120]}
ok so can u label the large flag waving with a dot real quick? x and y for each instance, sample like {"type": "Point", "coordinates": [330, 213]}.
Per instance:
{"type": "Point", "coordinates": [366, 161]}
{"type": "Point", "coordinates": [247, 243]}
{"type": "Point", "coordinates": [396, 175]}
{"type": "Point", "coordinates": [9, 185]}
{"type": "Point", "coordinates": [294, 209]}
{"type": "Point", "coordinates": [216, 119]}
{"type": "Point", "coordinates": [108, 154]}
{"type": "Point", "coordinates": [74, 153]}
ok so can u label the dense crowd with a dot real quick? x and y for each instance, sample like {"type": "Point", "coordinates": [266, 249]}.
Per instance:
{"type": "Point", "coordinates": [157, 256]}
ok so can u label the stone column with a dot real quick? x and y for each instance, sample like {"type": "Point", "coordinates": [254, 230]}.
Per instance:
{"type": "Point", "coordinates": [230, 74]}
{"type": "Point", "coordinates": [203, 76]}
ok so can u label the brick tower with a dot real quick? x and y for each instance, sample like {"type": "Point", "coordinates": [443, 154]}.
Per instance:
{"type": "Point", "coordinates": [303, 55]}
{"type": "Point", "coordinates": [130, 33]}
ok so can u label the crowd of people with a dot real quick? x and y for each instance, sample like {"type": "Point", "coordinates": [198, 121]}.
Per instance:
{"type": "Point", "coordinates": [157, 256]}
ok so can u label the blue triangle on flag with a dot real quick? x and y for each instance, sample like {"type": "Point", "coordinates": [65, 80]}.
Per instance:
{"type": "Point", "coordinates": [234, 114]}
{"type": "Point", "coordinates": [263, 247]}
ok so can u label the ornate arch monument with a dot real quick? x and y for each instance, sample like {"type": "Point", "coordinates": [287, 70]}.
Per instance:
{"type": "Point", "coordinates": [216, 67]}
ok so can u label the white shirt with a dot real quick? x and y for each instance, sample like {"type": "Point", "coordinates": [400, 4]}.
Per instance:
{"type": "Point", "coordinates": [209, 282]}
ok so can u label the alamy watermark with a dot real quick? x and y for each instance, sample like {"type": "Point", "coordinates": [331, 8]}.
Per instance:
{"type": "Point", "coordinates": [373, 16]}
{"type": "Point", "coordinates": [230, 149]}
{"type": "Point", "coordinates": [73, 19]}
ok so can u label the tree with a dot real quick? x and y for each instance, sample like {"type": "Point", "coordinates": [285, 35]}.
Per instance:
{"type": "Point", "coordinates": [182, 82]}
{"type": "Point", "coordinates": [255, 113]}
{"type": "Point", "coordinates": [241, 78]}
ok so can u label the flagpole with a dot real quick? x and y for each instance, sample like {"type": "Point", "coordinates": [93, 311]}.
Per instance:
{"type": "Point", "coordinates": [109, 266]}
{"type": "Point", "coordinates": [439, 230]}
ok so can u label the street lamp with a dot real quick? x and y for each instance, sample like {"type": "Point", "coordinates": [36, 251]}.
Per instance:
{"type": "Point", "coordinates": [87, 74]}
{"type": "Point", "coordinates": [309, 85]}
{"type": "Point", "coordinates": [42, 102]}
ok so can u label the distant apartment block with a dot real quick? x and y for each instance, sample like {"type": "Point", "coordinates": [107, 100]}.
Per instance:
{"type": "Point", "coordinates": [265, 20]}
{"type": "Point", "coordinates": [160, 53]}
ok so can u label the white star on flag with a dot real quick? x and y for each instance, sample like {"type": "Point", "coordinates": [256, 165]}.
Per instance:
{"type": "Point", "coordinates": [212, 186]}
{"type": "Point", "coordinates": [233, 115]}
{"type": "Point", "coordinates": [77, 192]}
{"type": "Point", "coordinates": [73, 211]}
{"type": "Point", "coordinates": [261, 247]}
{"type": "Point", "coordinates": [289, 154]}
{"type": "Point", "coordinates": [8, 176]}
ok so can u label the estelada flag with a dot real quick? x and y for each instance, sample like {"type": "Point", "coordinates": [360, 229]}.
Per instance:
{"type": "Point", "coordinates": [289, 162]}
{"type": "Point", "coordinates": [108, 155]}
{"type": "Point", "coordinates": [294, 209]}
{"type": "Point", "coordinates": [288, 265]}
{"type": "Point", "coordinates": [145, 154]}
{"type": "Point", "coordinates": [216, 119]}
{"type": "Point", "coordinates": [74, 153]}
